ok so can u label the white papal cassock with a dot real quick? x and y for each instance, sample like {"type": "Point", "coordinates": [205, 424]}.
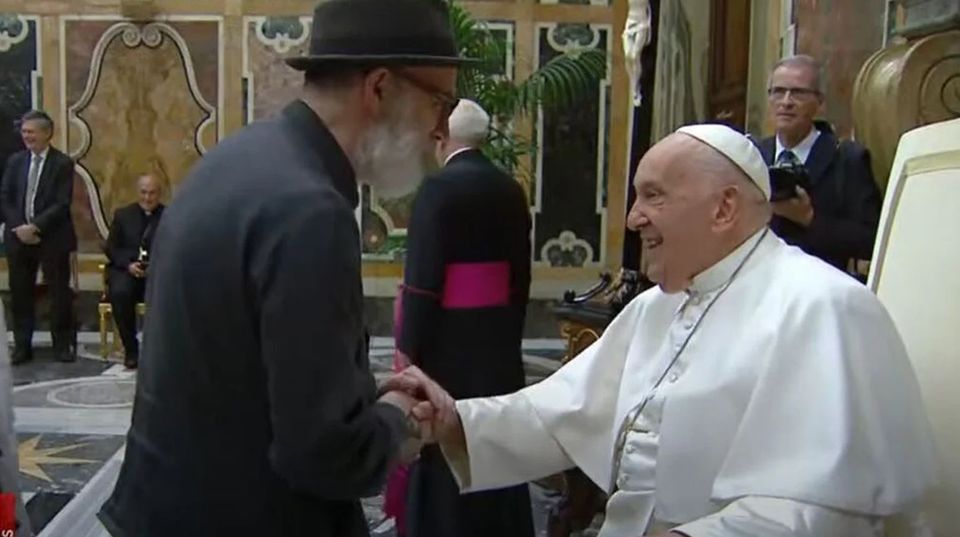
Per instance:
{"type": "Point", "coordinates": [791, 410]}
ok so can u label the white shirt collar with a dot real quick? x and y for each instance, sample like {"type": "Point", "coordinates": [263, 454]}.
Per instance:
{"type": "Point", "coordinates": [714, 277]}
{"type": "Point", "coordinates": [43, 154]}
{"type": "Point", "coordinates": [801, 150]}
{"type": "Point", "coordinates": [455, 153]}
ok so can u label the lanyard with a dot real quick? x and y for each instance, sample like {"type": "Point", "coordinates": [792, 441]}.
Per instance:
{"type": "Point", "coordinates": [635, 412]}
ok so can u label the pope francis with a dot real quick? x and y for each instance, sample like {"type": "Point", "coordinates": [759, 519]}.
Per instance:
{"type": "Point", "coordinates": [755, 392]}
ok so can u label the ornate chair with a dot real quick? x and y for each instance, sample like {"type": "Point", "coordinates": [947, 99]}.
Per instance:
{"type": "Point", "coordinates": [107, 326]}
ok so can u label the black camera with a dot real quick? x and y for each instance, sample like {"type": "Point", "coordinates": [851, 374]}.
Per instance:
{"type": "Point", "coordinates": [784, 180]}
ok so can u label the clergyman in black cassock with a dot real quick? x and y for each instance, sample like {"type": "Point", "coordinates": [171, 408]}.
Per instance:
{"type": "Point", "coordinates": [255, 409]}
{"type": "Point", "coordinates": [128, 247]}
{"type": "Point", "coordinates": [466, 286]}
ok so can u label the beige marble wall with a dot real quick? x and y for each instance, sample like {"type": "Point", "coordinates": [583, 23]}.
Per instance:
{"type": "Point", "coordinates": [141, 98]}
{"type": "Point", "coordinates": [765, 39]}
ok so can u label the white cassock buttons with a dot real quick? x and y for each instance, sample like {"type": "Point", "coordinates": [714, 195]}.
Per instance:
{"type": "Point", "coordinates": [673, 377]}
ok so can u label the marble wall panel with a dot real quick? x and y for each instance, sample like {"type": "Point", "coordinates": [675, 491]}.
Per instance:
{"type": "Point", "coordinates": [842, 34]}
{"type": "Point", "coordinates": [18, 66]}
{"type": "Point", "coordinates": [270, 83]}
{"type": "Point", "coordinates": [141, 98]}
{"type": "Point", "coordinates": [572, 162]}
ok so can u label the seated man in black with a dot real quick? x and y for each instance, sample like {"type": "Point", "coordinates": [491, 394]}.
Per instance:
{"type": "Point", "coordinates": [128, 248]}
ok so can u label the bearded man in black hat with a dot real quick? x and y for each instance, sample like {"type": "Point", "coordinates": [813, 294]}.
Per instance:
{"type": "Point", "coordinates": [255, 410]}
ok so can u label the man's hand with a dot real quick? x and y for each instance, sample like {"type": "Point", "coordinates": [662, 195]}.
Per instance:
{"type": "Point", "coordinates": [418, 430]}
{"type": "Point", "coordinates": [417, 384]}
{"type": "Point", "coordinates": [28, 234]}
{"type": "Point", "coordinates": [798, 209]}
{"type": "Point", "coordinates": [136, 270]}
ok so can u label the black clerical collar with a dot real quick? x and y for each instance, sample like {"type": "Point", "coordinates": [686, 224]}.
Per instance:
{"type": "Point", "coordinates": [318, 139]}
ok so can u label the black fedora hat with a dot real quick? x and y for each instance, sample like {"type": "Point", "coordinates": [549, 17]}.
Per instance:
{"type": "Point", "coordinates": [394, 32]}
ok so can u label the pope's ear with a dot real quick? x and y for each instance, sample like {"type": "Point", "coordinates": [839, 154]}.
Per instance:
{"type": "Point", "coordinates": [728, 209]}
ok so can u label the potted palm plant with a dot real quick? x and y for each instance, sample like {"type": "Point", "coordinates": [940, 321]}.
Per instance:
{"type": "Point", "coordinates": [559, 83]}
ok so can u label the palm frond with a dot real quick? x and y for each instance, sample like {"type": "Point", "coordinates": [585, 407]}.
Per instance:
{"type": "Point", "coordinates": [562, 82]}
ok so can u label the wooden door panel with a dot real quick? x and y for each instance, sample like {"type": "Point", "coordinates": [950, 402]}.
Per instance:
{"type": "Point", "coordinates": [729, 61]}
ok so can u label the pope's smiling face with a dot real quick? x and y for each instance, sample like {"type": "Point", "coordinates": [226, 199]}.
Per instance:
{"type": "Point", "coordinates": [675, 212]}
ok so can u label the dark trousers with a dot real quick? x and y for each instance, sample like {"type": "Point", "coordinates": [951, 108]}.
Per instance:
{"type": "Point", "coordinates": [125, 292]}
{"type": "Point", "coordinates": [23, 263]}
{"type": "Point", "coordinates": [435, 507]}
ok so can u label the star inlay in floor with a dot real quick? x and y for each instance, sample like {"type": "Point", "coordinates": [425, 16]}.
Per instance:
{"type": "Point", "coordinates": [32, 456]}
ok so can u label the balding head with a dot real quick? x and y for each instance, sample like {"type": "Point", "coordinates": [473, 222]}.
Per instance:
{"type": "Point", "coordinates": [148, 192]}
{"type": "Point", "coordinates": [694, 207]}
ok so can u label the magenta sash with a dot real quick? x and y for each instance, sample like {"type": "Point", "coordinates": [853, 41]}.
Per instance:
{"type": "Point", "coordinates": [395, 493]}
{"type": "Point", "coordinates": [476, 285]}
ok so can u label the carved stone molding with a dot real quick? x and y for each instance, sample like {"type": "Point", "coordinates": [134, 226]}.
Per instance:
{"type": "Point", "coordinates": [138, 9]}
{"type": "Point", "coordinates": [903, 87]}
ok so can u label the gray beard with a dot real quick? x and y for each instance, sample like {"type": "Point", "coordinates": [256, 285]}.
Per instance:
{"type": "Point", "coordinates": [391, 158]}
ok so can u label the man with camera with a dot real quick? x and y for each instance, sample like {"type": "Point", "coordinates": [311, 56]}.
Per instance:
{"type": "Point", "coordinates": [128, 249]}
{"type": "Point", "coordinates": [824, 199]}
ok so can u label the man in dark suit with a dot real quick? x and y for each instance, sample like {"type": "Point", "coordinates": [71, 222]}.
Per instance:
{"type": "Point", "coordinates": [835, 216]}
{"type": "Point", "coordinates": [128, 249]}
{"type": "Point", "coordinates": [35, 197]}
{"type": "Point", "coordinates": [466, 285]}
{"type": "Point", "coordinates": [255, 409]}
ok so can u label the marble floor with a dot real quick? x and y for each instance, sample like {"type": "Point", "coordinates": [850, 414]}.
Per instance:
{"type": "Point", "coordinates": [71, 420]}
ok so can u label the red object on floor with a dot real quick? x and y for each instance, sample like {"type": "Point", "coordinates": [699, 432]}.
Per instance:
{"type": "Point", "coordinates": [8, 514]}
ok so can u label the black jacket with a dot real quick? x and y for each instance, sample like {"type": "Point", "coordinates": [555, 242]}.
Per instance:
{"type": "Point", "coordinates": [51, 205]}
{"type": "Point", "coordinates": [131, 229]}
{"type": "Point", "coordinates": [846, 201]}
{"type": "Point", "coordinates": [255, 409]}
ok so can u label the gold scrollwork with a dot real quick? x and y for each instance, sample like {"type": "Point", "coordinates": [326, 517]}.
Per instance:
{"type": "Point", "coordinates": [903, 87]}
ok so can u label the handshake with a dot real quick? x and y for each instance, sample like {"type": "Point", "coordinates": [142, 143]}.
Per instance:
{"type": "Point", "coordinates": [431, 412]}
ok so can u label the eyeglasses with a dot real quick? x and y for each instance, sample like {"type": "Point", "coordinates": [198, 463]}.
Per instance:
{"type": "Point", "coordinates": [778, 93]}
{"type": "Point", "coordinates": [446, 101]}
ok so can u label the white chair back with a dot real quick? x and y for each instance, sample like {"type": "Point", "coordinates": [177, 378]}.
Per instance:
{"type": "Point", "coordinates": [916, 274]}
